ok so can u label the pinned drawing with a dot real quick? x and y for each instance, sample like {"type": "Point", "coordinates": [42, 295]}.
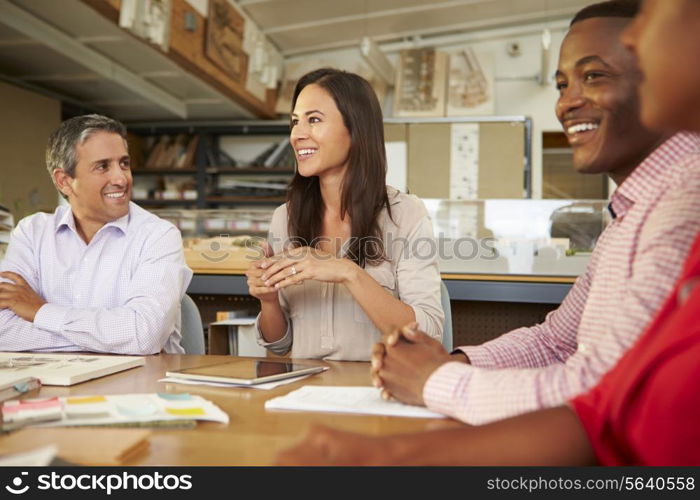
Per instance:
{"type": "Point", "coordinates": [224, 42]}
{"type": "Point", "coordinates": [470, 84]}
{"type": "Point", "coordinates": [295, 69]}
{"type": "Point", "coordinates": [464, 161]}
{"type": "Point", "coordinates": [420, 83]}
{"type": "Point", "coordinates": [148, 19]}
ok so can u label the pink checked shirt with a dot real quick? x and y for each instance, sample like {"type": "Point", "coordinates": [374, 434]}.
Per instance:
{"type": "Point", "coordinates": [119, 294]}
{"type": "Point", "coordinates": [633, 268]}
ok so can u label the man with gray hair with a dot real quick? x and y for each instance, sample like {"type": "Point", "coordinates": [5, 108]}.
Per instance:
{"type": "Point", "coordinates": [101, 274]}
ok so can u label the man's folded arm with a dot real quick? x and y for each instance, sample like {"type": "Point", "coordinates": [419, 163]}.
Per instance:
{"type": "Point", "coordinates": [141, 325]}
{"type": "Point", "coordinates": [16, 334]}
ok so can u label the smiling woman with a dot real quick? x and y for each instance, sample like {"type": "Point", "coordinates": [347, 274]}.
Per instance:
{"type": "Point", "coordinates": [357, 250]}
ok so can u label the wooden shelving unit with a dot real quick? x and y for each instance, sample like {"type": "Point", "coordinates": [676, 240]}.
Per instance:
{"type": "Point", "coordinates": [6, 225]}
{"type": "Point", "coordinates": [164, 171]}
{"type": "Point", "coordinates": [207, 176]}
{"type": "Point", "coordinates": [245, 199]}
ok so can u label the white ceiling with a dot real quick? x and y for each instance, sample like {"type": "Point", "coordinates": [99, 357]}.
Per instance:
{"type": "Point", "coordinates": [66, 48]}
{"type": "Point", "coordinates": [303, 26]}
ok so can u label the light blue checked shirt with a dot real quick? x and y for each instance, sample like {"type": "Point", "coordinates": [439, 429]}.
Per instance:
{"type": "Point", "coordinates": [119, 294]}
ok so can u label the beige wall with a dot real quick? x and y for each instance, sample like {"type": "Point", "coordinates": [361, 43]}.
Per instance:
{"type": "Point", "coordinates": [26, 120]}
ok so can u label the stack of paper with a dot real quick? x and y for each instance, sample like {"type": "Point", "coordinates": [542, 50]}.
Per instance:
{"type": "Point", "coordinates": [362, 400]}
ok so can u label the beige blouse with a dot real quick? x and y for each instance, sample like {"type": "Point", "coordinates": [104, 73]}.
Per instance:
{"type": "Point", "coordinates": [324, 320]}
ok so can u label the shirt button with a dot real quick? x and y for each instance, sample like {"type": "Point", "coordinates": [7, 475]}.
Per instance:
{"type": "Point", "coordinates": [583, 348]}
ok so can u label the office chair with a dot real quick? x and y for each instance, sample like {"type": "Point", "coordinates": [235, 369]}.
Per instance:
{"type": "Point", "coordinates": [447, 327]}
{"type": "Point", "coordinates": [191, 327]}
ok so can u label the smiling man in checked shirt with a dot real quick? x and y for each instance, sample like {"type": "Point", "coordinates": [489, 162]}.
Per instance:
{"type": "Point", "coordinates": [101, 274]}
{"type": "Point", "coordinates": [656, 210]}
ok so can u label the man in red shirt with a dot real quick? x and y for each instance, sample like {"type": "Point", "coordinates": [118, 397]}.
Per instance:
{"type": "Point", "coordinates": [645, 411]}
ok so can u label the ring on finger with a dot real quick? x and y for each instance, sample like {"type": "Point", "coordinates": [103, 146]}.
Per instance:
{"type": "Point", "coordinates": [294, 270]}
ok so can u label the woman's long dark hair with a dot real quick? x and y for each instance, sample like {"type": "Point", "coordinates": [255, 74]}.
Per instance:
{"type": "Point", "coordinates": [364, 192]}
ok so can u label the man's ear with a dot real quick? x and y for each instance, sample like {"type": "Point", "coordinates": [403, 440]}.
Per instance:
{"type": "Point", "coordinates": [63, 181]}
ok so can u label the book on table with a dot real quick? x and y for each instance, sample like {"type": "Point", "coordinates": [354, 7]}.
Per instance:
{"type": "Point", "coordinates": [110, 447]}
{"type": "Point", "coordinates": [15, 384]}
{"type": "Point", "coordinates": [64, 369]}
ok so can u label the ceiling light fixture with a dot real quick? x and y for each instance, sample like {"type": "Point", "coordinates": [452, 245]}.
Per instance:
{"type": "Point", "coordinates": [377, 60]}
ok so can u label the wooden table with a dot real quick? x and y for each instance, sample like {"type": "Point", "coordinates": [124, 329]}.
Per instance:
{"type": "Point", "coordinates": [472, 287]}
{"type": "Point", "coordinates": [253, 435]}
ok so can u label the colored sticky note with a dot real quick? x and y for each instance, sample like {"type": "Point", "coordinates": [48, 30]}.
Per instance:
{"type": "Point", "coordinates": [83, 414]}
{"type": "Point", "coordinates": [137, 410]}
{"type": "Point", "coordinates": [186, 411]}
{"type": "Point", "coordinates": [171, 396]}
{"type": "Point", "coordinates": [86, 400]}
{"type": "Point", "coordinates": [39, 404]}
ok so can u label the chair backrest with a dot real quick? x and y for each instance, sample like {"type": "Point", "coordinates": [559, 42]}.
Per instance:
{"type": "Point", "coordinates": [447, 327]}
{"type": "Point", "coordinates": [191, 327]}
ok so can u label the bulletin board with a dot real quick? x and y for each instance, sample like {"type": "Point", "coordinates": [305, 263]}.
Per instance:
{"type": "Point", "coordinates": [497, 169]}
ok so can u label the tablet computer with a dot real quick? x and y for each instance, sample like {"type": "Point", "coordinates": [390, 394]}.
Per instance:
{"type": "Point", "coordinates": [245, 371]}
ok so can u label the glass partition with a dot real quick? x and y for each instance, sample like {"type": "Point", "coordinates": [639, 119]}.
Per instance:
{"type": "Point", "coordinates": [215, 223]}
{"type": "Point", "coordinates": [494, 237]}
{"type": "Point", "coordinates": [521, 237]}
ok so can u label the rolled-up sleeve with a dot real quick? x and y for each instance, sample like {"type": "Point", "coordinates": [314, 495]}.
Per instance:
{"type": "Point", "coordinates": [145, 321]}
{"type": "Point", "coordinates": [418, 277]}
{"type": "Point", "coordinates": [283, 345]}
{"type": "Point", "coordinates": [277, 238]}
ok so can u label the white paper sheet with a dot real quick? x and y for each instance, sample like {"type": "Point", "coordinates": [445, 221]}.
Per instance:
{"type": "Point", "coordinates": [396, 165]}
{"type": "Point", "coordinates": [37, 457]}
{"type": "Point", "coordinates": [359, 400]}
{"type": "Point", "coordinates": [464, 161]}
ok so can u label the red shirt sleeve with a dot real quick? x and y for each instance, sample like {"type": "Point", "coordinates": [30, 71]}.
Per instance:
{"type": "Point", "coordinates": [646, 410]}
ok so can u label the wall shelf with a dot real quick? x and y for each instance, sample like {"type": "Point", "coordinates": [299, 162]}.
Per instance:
{"type": "Point", "coordinates": [164, 171]}
{"type": "Point", "coordinates": [245, 199]}
{"type": "Point", "coordinates": [249, 171]}
{"type": "Point", "coordinates": [6, 225]}
{"type": "Point", "coordinates": [157, 203]}
{"type": "Point", "coordinates": [211, 178]}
